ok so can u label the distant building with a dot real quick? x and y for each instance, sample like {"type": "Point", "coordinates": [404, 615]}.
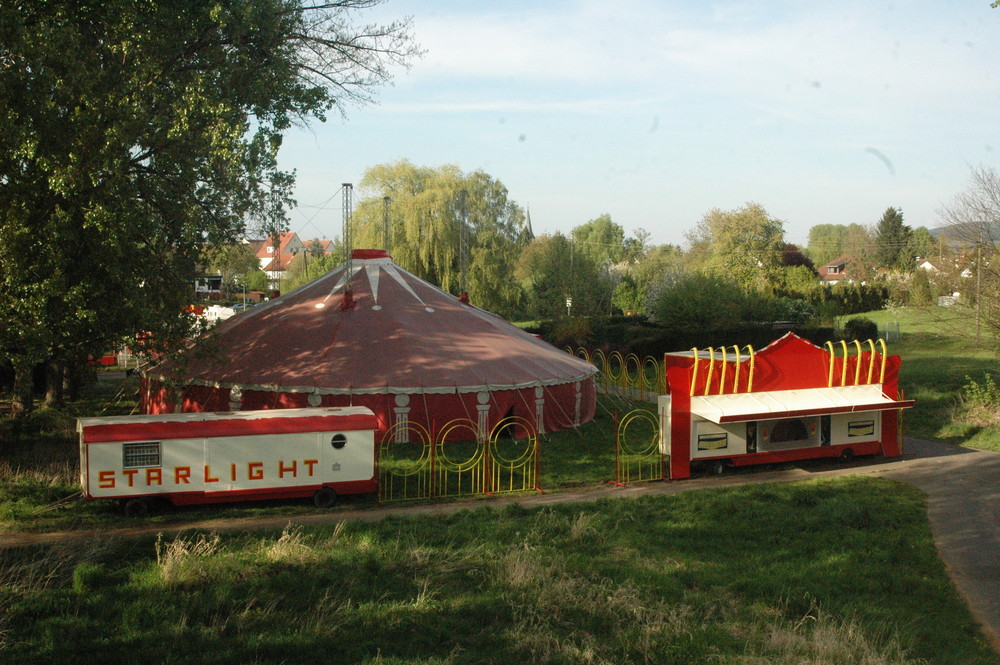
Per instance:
{"type": "Point", "coordinates": [290, 246]}
{"type": "Point", "coordinates": [836, 271]}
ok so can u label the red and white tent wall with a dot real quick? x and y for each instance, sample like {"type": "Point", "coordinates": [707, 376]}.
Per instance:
{"type": "Point", "coordinates": [547, 408]}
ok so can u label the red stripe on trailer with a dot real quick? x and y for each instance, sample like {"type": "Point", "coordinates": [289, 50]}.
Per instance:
{"type": "Point", "coordinates": [219, 428]}
{"type": "Point", "coordinates": [293, 492]}
{"type": "Point", "coordinates": [796, 454]}
{"type": "Point", "coordinates": [229, 496]}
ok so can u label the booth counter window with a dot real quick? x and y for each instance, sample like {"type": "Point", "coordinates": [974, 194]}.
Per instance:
{"type": "Point", "coordinates": [791, 429]}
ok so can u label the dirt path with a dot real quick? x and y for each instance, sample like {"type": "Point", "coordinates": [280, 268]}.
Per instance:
{"type": "Point", "coordinates": [962, 486]}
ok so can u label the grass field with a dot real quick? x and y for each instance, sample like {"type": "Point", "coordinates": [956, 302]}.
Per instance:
{"type": "Point", "coordinates": [940, 354]}
{"type": "Point", "coordinates": [825, 572]}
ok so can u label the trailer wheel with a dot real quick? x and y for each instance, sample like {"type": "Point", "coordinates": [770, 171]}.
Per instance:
{"type": "Point", "coordinates": [136, 508]}
{"type": "Point", "coordinates": [846, 455]}
{"type": "Point", "coordinates": [717, 468]}
{"type": "Point", "coordinates": [325, 498]}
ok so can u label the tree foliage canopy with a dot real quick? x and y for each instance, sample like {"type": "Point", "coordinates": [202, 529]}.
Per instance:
{"type": "Point", "coordinates": [550, 270]}
{"type": "Point", "coordinates": [601, 239]}
{"type": "Point", "coordinates": [435, 213]}
{"type": "Point", "coordinates": [892, 239]}
{"type": "Point", "coordinates": [744, 244]}
{"type": "Point", "coordinates": [132, 133]}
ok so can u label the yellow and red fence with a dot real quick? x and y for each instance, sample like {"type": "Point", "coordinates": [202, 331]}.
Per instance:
{"type": "Point", "coordinates": [413, 465]}
{"type": "Point", "coordinates": [626, 375]}
{"type": "Point", "coordinates": [638, 454]}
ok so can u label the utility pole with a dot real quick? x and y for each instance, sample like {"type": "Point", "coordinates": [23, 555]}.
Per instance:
{"type": "Point", "coordinates": [979, 280]}
{"type": "Point", "coordinates": [463, 233]}
{"type": "Point", "coordinates": [386, 230]}
{"type": "Point", "coordinates": [348, 234]}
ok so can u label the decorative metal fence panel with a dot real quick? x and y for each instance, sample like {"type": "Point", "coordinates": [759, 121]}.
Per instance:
{"type": "Point", "coordinates": [514, 463]}
{"type": "Point", "coordinates": [638, 456]}
{"type": "Point", "coordinates": [412, 466]}
{"type": "Point", "coordinates": [404, 463]}
{"type": "Point", "coordinates": [460, 467]}
{"type": "Point", "coordinates": [626, 376]}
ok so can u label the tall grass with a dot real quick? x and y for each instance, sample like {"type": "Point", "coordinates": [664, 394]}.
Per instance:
{"type": "Point", "coordinates": [835, 571]}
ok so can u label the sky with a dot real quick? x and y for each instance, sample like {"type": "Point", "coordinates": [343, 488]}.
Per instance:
{"type": "Point", "coordinates": [656, 112]}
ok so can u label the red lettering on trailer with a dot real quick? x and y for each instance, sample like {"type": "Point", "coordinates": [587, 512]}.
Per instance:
{"type": "Point", "coordinates": [182, 475]}
{"type": "Point", "coordinates": [106, 479]}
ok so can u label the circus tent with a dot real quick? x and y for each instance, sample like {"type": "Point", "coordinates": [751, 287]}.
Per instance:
{"type": "Point", "coordinates": [369, 333]}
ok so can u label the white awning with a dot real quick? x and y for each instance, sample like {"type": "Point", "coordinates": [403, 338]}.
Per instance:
{"type": "Point", "coordinates": [775, 404]}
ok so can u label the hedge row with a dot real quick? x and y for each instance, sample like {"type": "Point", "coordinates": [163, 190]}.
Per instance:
{"type": "Point", "coordinates": [637, 335]}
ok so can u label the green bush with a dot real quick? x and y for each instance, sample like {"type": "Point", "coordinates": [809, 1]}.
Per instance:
{"type": "Point", "coordinates": [986, 393]}
{"type": "Point", "coordinates": [860, 328]}
{"type": "Point", "coordinates": [574, 333]}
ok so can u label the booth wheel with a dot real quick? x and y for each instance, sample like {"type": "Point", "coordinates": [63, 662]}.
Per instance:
{"type": "Point", "coordinates": [717, 468]}
{"type": "Point", "coordinates": [324, 497]}
{"type": "Point", "coordinates": [846, 455]}
{"type": "Point", "coordinates": [137, 508]}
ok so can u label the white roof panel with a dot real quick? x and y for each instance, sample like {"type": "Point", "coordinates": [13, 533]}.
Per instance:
{"type": "Point", "coordinates": [740, 407]}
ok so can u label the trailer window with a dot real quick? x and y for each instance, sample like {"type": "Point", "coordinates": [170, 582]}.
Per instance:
{"type": "Point", "coordinates": [137, 455]}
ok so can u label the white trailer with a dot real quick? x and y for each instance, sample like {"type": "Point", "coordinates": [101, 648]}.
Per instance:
{"type": "Point", "coordinates": [192, 458]}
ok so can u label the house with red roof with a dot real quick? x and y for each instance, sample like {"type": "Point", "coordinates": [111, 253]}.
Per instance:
{"type": "Point", "coordinates": [276, 257]}
{"type": "Point", "coordinates": [835, 271]}
{"type": "Point", "coordinates": [276, 261]}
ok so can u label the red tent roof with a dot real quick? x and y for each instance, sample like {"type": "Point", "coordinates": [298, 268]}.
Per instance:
{"type": "Point", "coordinates": [400, 334]}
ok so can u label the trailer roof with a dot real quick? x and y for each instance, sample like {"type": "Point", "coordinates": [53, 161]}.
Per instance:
{"type": "Point", "coordinates": [223, 415]}
{"type": "Point", "coordinates": [771, 405]}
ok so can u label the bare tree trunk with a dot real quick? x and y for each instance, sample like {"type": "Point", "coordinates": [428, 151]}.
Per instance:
{"type": "Point", "coordinates": [22, 402]}
{"type": "Point", "coordinates": [73, 375]}
{"type": "Point", "coordinates": [55, 370]}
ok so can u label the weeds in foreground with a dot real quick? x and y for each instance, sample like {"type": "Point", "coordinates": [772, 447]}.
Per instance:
{"type": "Point", "coordinates": [834, 571]}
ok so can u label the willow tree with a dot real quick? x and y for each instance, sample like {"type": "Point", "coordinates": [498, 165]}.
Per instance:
{"type": "Point", "coordinates": [745, 245]}
{"type": "Point", "coordinates": [133, 133]}
{"type": "Point", "coordinates": [457, 230]}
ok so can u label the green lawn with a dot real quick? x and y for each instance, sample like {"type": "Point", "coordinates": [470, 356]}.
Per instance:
{"type": "Point", "coordinates": [939, 350]}
{"type": "Point", "coordinates": [827, 572]}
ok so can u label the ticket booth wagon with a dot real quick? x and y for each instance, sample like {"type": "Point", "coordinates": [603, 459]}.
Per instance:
{"type": "Point", "coordinates": [792, 400]}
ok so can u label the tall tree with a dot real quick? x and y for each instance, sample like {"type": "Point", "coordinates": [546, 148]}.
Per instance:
{"type": "Point", "coordinates": [892, 239]}
{"type": "Point", "coordinates": [857, 243]}
{"type": "Point", "coordinates": [232, 261]}
{"type": "Point", "coordinates": [433, 214]}
{"type": "Point", "coordinates": [744, 244]}
{"type": "Point", "coordinates": [601, 239]}
{"type": "Point", "coordinates": [133, 132]}
{"type": "Point", "coordinates": [641, 273]}
{"type": "Point", "coordinates": [922, 244]}
{"type": "Point", "coordinates": [550, 270]}
{"type": "Point", "coordinates": [826, 242]}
